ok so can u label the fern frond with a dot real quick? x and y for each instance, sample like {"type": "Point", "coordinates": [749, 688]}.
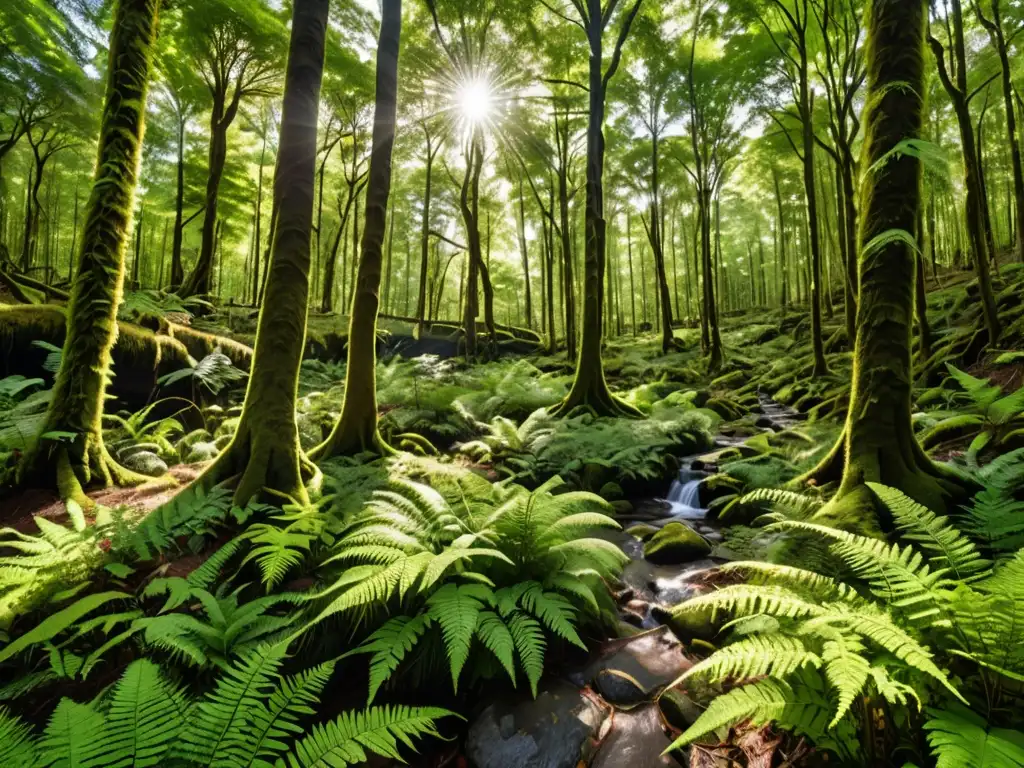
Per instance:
{"type": "Point", "coordinates": [792, 505]}
{"type": "Point", "coordinates": [17, 742]}
{"type": "Point", "coordinates": [761, 573]}
{"type": "Point", "coordinates": [73, 737]}
{"type": "Point", "coordinates": [389, 646]}
{"type": "Point", "coordinates": [772, 655]}
{"type": "Point", "coordinates": [951, 549]}
{"type": "Point", "coordinates": [58, 622]}
{"type": "Point", "coordinates": [456, 609]}
{"type": "Point", "coordinates": [554, 611]}
{"type": "Point", "coordinates": [528, 637]}
{"type": "Point", "coordinates": [960, 738]}
{"type": "Point", "coordinates": [497, 638]}
{"type": "Point", "coordinates": [296, 696]}
{"type": "Point", "coordinates": [846, 670]}
{"type": "Point", "coordinates": [346, 740]}
{"type": "Point", "coordinates": [745, 599]}
{"type": "Point", "coordinates": [145, 717]}
{"type": "Point", "coordinates": [221, 721]}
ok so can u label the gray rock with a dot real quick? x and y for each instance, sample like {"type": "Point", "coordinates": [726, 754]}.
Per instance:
{"type": "Point", "coordinates": [554, 731]}
{"type": "Point", "coordinates": [636, 740]}
{"type": "Point", "coordinates": [636, 669]}
{"type": "Point", "coordinates": [145, 463]}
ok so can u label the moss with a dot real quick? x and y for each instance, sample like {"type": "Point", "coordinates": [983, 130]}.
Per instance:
{"type": "Point", "coordinates": [674, 544]}
{"type": "Point", "coordinates": [718, 485]}
{"type": "Point", "coordinates": [642, 531]}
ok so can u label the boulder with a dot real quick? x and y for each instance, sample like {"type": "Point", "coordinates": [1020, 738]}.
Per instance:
{"type": "Point", "coordinates": [636, 740]}
{"type": "Point", "coordinates": [690, 625]}
{"type": "Point", "coordinates": [642, 531]}
{"type": "Point", "coordinates": [676, 543]}
{"type": "Point", "coordinates": [631, 671]}
{"type": "Point", "coordinates": [555, 730]}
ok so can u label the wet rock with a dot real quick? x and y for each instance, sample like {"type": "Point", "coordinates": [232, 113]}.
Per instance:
{"type": "Point", "coordinates": [642, 531]}
{"type": "Point", "coordinates": [554, 731]}
{"type": "Point", "coordinates": [766, 422]}
{"type": "Point", "coordinates": [636, 669]}
{"type": "Point", "coordinates": [700, 624]}
{"type": "Point", "coordinates": [636, 612]}
{"type": "Point", "coordinates": [637, 740]}
{"type": "Point", "coordinates": [678, 709]}
{"type": "Point", "coordinates": [675, 543]}
{"type": "Point", "coordinates": [717, 486]}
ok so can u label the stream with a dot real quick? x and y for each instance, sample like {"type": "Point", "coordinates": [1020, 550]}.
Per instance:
{"type": "Point", "coordinates": [613, 710]}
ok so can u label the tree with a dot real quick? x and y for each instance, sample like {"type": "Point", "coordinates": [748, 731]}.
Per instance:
{"type": "Point", "coordinates": [69, 449]}
{"type": "Point", "coordinates": [788, 25]}
{"type": "Point", "coordinates": [993, 24]}
{"type": "Point", "coordinates": [265, 448]}
{"type": "Point", "coordinates": [356, 430]}
{"type": "Point", "coordinates": [232, 44]}
{"type": "Point", "coordinates": [878, 443]}
{"type": "Point", "coordinates": [589, 387]}
{"type": "Point", "coordinates": [953, 76]}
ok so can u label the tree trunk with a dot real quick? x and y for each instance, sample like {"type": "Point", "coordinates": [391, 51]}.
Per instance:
{"type": "Point", "coordinates": [199, 280]}
{"type": "Point", "coordinates": [424, 243]}
{"type": "Point", "coordinates": [76, 407]}
{"type": "Point", "coordinates": [327, 298]}
{"type": "Point", "coordinates": [177, 270]}
{"type": "Point", "coordinates": [878, 444]}
{"type": "Point", "coordinates": [356, 431]}
{"type": "Point", "coordinates": [525, 256]}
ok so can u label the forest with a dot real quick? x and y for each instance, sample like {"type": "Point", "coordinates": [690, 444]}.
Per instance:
{"type": "Point", "coordinates": [511, 383]}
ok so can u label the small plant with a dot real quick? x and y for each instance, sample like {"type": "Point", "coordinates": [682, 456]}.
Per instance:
{"type": "Point", "coordinates": [804, 646]}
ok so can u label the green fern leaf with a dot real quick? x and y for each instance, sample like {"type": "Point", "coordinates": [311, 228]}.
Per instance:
{"type": "Point", "coordinates": [389, 645]}
{"type": "Point", "coordinates": [346, 740]}
{"type": "Point", "coordinates": [296, 696]}
{"type": "Point", "coordinates": [960, 738]}
{"type": "Point", "coordinates": [17, 742]}
{"type": "Point", "coordinates": [497, 638]}
{"type": "Point", "coordinates": [73, 738]}
{"type": "Point", "coordinates": [528, 637]}
{"type": "Point", "coordinates": [774, 655]}
{"type": "Point", "coordinates": [56, 623]}
{"type": "Point", "coordinates": [456, 609]}
{"type": "Point", "coordinates": [847, 671]}
{"type": "Point", "coordinates": [554, 611]}
{"type": "Point", "coordinates": [950, 548]}
{"type": "Point", "coordinates": [145, 716]}
{"type": "Point", "coordinates": [746, 599]}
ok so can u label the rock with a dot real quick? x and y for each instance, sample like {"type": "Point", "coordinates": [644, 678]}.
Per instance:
{"type": "Point", "coordinates": [622, 507]}
{"type": "Point", "coordinates": [675, 543]}
{"type": "Point", "coordinates": [635, 612]}
{"type": "Point", "coordinates": [642, 531]}
{"type": "Point", "coordinates": [637, 669]}
{"type": "Point", "coordinates": [554, 731]}
{"type": "Point", "coordinates": [689, 625]}
{"type": "Point", "coordinates": [201, 451]}
{"type": "Point", "coordinates": [678, 709]}
{"type": "Point", "coordinates": [718, 485]}
{"type": "Point", "coordinates": [766, 422]}
{"type": "Point", "coordinates": [637, 740]}
{"type": "Point", "coordinates": [145, 463]}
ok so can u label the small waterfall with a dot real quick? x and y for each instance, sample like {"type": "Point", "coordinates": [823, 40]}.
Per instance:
{"type": "Point", "coordinates": [684, 496]}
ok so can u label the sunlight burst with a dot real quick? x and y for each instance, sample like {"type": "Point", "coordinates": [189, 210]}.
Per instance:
{"type": "Point", "coordinates": [474, 99]}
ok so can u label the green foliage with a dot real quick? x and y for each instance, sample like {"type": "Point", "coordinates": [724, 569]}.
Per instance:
{"type": "Point", "coordinates": [251, 717]}
{"type": "Point", "coordinates": [887, 629]}
{"type": "Point", "coordinates": [960, 738]}
{"type": "Point", "coordinates": [497, 572]}
{"type": "Point", "coordinates": [214, 373]}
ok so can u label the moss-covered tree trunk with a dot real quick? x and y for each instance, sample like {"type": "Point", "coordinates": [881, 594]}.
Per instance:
{"type": "Point", "coordinates": [69, 450]}
{"type": "Point", "coordinates": [356, 430]}
{"type": "Point", "coordinates": [177, 270]}
{"type": "Point", "coordinates": [421, 300]}
{"type": "Point", "coordinates": [265, 450]}
{"type": "Point", "coordinates": [878, 443]}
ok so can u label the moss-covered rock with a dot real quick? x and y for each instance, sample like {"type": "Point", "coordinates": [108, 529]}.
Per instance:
{"type": "Point", "coordinates": [642, 531]}
{"type": "Point", "coordinates": [717, 486]}
{"type": "Point", "coordinates": [676, 543]}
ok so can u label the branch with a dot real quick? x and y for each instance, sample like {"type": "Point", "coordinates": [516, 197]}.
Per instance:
{"type": "Point", "coordinates": [557, 81]}
{"type": "Point", "coordinates": [785, 132]}
{"type": "Point", "coordinates": [561, 14]}
{"type": "Point", "coordinates": [439, 236]}
{"type": "Point", "coordinates": [940, 59]}
{"type": "Point", "coordinates": [982, 87]}
{"type": "Point", "coordinates": [623, 34]}
{"type": "Point", "coordinates": [188, 221]}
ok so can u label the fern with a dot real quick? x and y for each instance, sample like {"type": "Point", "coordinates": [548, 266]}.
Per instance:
{"type": "Point", "coordinates": [772, 655]}
{"type": "Point", "coordinates": [960, 738]}
{"type": "Point", "coordinates": [17, 742]}
{"type": "Point", "coordinates": [456, 609]}
{"type": "Point", "coordinates": [528, 636]}
{"type": "Point", "coordinates": [346, 740]}
{"type": "Point", "coordinates": [951, 549]}
{"type": "Point", "coordinates": [146, 715]}
{"type": "Point", "coordinates": [73, 737]}
{"type": "Point", "coordinates": [389, 645]}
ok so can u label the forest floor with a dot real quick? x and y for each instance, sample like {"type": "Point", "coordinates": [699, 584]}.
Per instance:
{"type": "Point", "coordinates": [675, 480]}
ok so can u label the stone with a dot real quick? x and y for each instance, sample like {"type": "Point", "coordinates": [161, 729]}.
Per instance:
{"type": "Point", "coordinates": [674, 544]}
{"type": "Point", "coordinates": [689, 625]}
{"type": "Point", "coordinates": [636, 740]}
{"type": "Point", "coordinates": [678, 709]}
{"type": "Point", "coordinates": [766, 422]}
{"type": "Point", "coordinates": [633, 670]}
{"type": "Point", "coordinates": [642, 531]}
{"type": "Point", "coordinates": [556, 730]}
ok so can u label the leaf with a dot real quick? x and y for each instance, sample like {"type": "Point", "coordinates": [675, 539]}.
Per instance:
{"type": "Point", "coordinates": [58, 622]}
{"type": "Point", "coordinates": [456, 609]}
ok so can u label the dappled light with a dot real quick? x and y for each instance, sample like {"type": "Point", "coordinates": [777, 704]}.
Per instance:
{"type": "Point", "coordinates": [511, 384]}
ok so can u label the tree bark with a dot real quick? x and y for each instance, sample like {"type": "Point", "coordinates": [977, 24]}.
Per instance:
{"type": "Point", "coordinates": [357, 431]}
{"type": "Point", "coordinates": [878, 444]}
{"type": "Point", "coordinates": [80, 457]}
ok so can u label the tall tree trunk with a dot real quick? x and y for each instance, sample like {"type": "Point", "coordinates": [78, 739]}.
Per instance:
{"type": "Point", "coordinates": [177, 270]}
{"type": "Point", "coordinates": [521, 231]}
{"type": "Point", "coordinates": [424, 243]}
{"type": "Point", "coordinates": [781, 230]}
{"type": "Point", "coordinates": [199, 280]}
{"type": "Point", "coordinates": [328, 288]}
{"type": "Point", "coordinates": [878, 444]}
{"type": "Point", "coordinates": [356, 430]}
{"type": "Point", "coordinates": [79, 390]}
{"type": "Point", "coordinates": [265, 449]}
